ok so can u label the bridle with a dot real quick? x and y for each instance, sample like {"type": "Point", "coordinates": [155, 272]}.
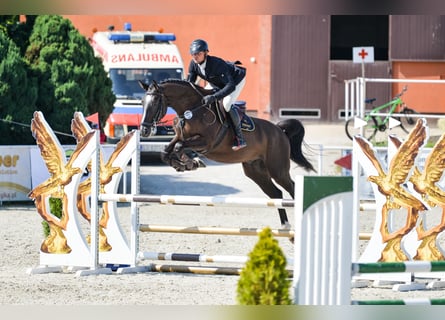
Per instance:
{"type": "Point", "coordinates": [160, 111]}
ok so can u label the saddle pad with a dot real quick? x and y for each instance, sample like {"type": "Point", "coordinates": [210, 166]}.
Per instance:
{"type": "Point", "coordinates": [247, 123]}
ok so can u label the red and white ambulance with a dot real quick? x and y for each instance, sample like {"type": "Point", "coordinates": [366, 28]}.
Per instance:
{"type": "Point", "coordinates": [129, 56]}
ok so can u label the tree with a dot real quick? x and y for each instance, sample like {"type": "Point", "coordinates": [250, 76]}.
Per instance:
{"type": "Point", "coordinates": [18, 94]}
{"type": "Point", "coordinates": [48, 66]}
{"type": "Point", "coordinates": [18, 31]}
{"type": "Point", "coordinates": [70, 78]}
{"type": "Point", "coordinates": [264, 279]}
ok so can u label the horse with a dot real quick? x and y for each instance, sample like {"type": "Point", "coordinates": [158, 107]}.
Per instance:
{"type": "Point", "coordinates": [205, 130]}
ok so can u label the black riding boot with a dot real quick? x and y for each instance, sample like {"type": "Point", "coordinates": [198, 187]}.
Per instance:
{"type": "Point", "coordinates": [236, 121]}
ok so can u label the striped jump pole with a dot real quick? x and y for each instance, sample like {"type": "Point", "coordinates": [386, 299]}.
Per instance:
{"type": "Point", "coordinates": [195, 269]}
{"type": "Point", "coordinates": [196, 257]}
{"type": "Point", "coordinates": [200, 269]}
{"type": "Point", "coordinates": [199, 200]}
{"type": "Point", "coordinates": [285, 233]}
{"type": "Point", "coordinates": [409, 301]}
{"type": "Point", "coordinates": [405, 266]}
{"type": "Point", "coordinates": [191, 257]}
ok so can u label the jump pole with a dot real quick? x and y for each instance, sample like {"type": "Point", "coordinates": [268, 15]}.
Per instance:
{"type": "Point", "coordinates": [199, 200]}
{"type": "Point", "coordinates": [285, 233]}
{"type": "Point", "coordinates": [200, 270]}
{"type": "Point", "coordinates": [167, 256]}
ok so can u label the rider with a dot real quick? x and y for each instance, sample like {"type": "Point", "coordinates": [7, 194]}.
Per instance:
{"type": "Point", "coordinates": [226, 78]}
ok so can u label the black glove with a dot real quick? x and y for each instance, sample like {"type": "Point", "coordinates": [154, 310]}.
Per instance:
{"type": "Point", "coordinates": [208, 99]}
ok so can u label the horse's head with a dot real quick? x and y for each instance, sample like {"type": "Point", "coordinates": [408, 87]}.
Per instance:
{"type": "Point", "coordinates": [154, 105]}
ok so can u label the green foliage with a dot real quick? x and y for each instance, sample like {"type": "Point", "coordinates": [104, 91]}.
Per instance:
{"type": "Point", "coordinates": [264, 279]}
{"type": "Point", "coordinates": [18, 31]}
{"type": "Point", "coordinates": [18, 94]}
{"type": "Point", "coordinates": [71, 78]}
{"type": "Point", "coordinates": [56, 208]}
{"type": "Point", "coordinates": [49, 66]}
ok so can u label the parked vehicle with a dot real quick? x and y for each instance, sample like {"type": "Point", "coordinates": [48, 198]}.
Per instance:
{"type": "Point", "coordinates": [131, 56]}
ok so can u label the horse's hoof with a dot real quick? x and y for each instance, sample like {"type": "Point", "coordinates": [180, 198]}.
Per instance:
{"type": "Point", "coordinates": [199, 163]}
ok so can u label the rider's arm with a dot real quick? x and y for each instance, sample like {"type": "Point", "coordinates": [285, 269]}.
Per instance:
{"type": "Point", "coordinates": [221, 76]}
{"type": "Point", "coordinates": [192, 74]}
{"type": "Point", "coordinates": [228, 88]}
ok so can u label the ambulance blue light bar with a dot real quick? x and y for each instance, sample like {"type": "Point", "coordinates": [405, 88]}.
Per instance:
{"type": "Point", "coordinates": [141, 37]}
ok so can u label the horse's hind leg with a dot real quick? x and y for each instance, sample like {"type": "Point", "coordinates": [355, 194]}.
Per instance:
{"type": "Point", "coordinates": [282, 177]}
{"type": "Point", "coordinates": [257, 171]}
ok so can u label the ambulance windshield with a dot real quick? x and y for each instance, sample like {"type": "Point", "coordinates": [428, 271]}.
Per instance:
{"type": "Point", "coordinates": [126, 85]}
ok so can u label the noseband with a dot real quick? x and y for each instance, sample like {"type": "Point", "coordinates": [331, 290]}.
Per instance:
{"type": "Point", "coordinates": [160, 110]}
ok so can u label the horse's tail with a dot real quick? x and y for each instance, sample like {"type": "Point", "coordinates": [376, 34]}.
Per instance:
{"type": "Point", "coordinates": [294, 130]}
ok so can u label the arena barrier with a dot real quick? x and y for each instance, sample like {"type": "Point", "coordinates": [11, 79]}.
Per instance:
{"type": "Point", "coordinates": [331, 195]}
{"type": "Point", "coordinates": [413, 242]}
{"type": "Point", "coordinates": [417, 239]}
{"type": "Point", "coordinates": [330, 222]}
{"type": "Point", "coordinates": [392, 254]}
{"type": "Point", "coordinates": [68, 247]}
{"type": "Point", "coordinates": [93, 254]}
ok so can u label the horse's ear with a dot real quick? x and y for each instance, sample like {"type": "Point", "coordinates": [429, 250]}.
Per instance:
{"type": "Point", "coordinates": [143, 85]}
{"type": "Point", "coordinates": [155, 84]}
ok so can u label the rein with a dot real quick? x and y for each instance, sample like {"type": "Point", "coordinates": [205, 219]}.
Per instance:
{"type": "Point", "coordinates": [188, 114]}
{"type": "Point", "coordinates": [180, 120]}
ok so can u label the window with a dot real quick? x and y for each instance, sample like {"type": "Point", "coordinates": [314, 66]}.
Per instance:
{"type": "Point", "coordinates": [359, 31]}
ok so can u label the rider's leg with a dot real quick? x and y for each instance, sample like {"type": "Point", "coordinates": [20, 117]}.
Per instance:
{"type": "Point", "coordinates": [228, 102]}
{"type": "Point", "coordinates": [239, 141]}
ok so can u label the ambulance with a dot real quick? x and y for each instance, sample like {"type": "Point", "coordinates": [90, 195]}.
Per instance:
{"type": "Point", "coordinates": [129, 56]}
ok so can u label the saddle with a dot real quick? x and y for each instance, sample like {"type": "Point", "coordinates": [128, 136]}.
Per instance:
{"type": "Point", "coordinates": [247, 123]}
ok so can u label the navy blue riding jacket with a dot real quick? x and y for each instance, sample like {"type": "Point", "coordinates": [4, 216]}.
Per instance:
{"type": "Point", "coordinates": [221, 74]}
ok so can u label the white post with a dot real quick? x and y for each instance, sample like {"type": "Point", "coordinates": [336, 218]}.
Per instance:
{"type": "Point", "coordinates": [94, 223]}
{"type": "Point", "coordinates": [94, 218]}
{"type": "Point", "coordinates": [135, 178]}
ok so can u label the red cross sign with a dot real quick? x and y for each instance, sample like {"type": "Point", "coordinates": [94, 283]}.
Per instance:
{"type": "Point", "coordinates": [363, 54]}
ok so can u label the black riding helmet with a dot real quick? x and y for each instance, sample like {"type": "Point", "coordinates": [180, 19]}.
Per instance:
{"type": "Point", "coordinates": [198, 45]}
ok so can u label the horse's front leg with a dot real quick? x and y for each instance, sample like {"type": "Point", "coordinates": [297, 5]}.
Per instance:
{"type": "Point", "coordinates": [166, 155]}
{"type": "Point", "coordinates": [175, 156]}
{"type": "Point", "coordinates": [181, 160]}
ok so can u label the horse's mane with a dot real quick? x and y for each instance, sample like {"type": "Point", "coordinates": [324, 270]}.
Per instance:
{"type": "Point", "coordinates": [183, 82]}
{"type": "Point", "coordinates": [174, 80]}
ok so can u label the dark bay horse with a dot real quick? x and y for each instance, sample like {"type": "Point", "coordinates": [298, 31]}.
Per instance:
{"type": "Point", "coordinates": [204, 130]}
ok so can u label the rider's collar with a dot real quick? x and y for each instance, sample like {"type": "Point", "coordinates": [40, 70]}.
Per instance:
{"type": "Point", "coordinates": [203, 64]}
